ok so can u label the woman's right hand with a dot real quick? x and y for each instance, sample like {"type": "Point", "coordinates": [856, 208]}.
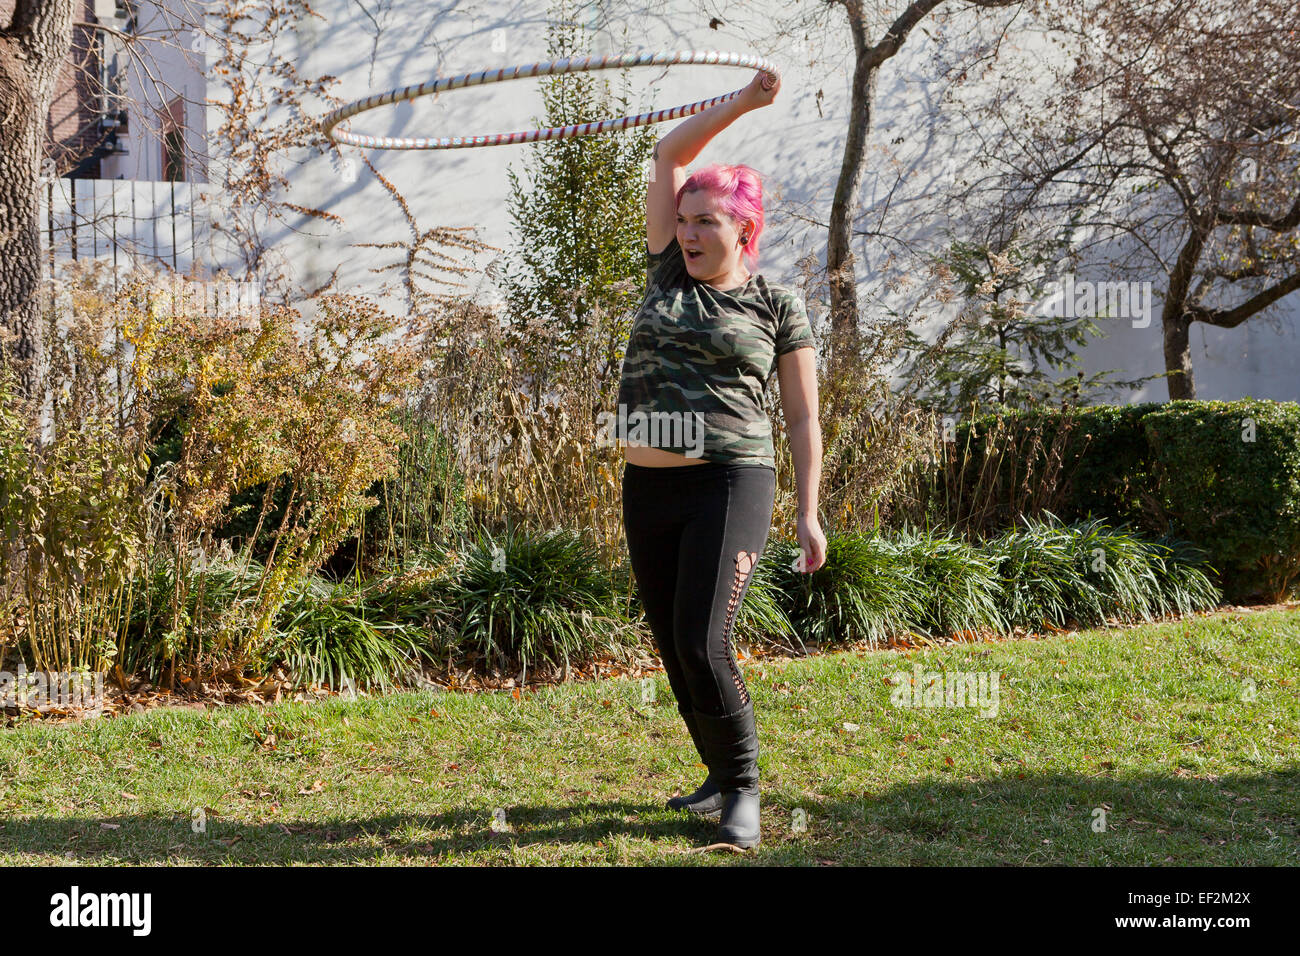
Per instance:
{"type": "Point", "coordinates": [755, 96]}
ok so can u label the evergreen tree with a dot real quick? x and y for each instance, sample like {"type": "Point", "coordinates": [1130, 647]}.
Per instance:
{"type": "Point", "coordinates": [998, 351]}
{"type": "Point", "coordinates": [578, 228]}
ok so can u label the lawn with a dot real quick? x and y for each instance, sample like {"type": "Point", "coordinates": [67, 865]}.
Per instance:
{"type": "Point", "coordinates": [1176, 743]}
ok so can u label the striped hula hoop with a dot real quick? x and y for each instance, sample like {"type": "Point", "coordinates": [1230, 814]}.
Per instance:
{"type": "Point", "coordinates": [713, 57]}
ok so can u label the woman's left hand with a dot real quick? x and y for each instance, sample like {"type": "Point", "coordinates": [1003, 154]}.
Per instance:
{"type": "Point", "coordinates": [756, 95]}
{"type": "Point", "coordinates": [812, 543]}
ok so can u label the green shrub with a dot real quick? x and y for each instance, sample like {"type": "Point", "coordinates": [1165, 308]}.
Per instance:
{"type": "Point", "coordinates": [329, 634]}
{"type": "Point", "coordinates": [959, 588]}
{"type": "Point", "coordinates": [217, 594]}
{"type": "Point", "coordinates": [523, 598]}
{"type": "Point", "coordinates": [1042, 576]}
{"type": "Point", "coordinates": [1228, 475]}
{"type": "Point", "coordinates": [862, 592]}
{"type": "Point", "coordinates": [1224, 476]}
{"type": "Point", "coordinates": [1089, 572]}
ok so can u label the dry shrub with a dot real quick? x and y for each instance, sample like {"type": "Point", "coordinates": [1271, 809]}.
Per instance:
{"type": "Point", "coordinates": [262, 399]}
{"type": "Point", "coordinates": [71, 475]}
{"type": "Point", "coordinates": [531, 461]}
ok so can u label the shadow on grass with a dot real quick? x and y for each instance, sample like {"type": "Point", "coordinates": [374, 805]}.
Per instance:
{"type": "Point", "coordinates": [1237, 819]}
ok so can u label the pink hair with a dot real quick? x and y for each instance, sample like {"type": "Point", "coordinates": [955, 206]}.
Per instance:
{"type": "Point", "coordinates": [740, 191]}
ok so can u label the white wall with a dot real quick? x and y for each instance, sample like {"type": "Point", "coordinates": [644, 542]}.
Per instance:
{"type": "Point", "coordinates": [797, 144]}
{"type": "Point", "coordinates": [175, 65]}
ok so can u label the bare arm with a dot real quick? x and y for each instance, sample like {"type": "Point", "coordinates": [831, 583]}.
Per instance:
{"type": "Point", "coordinates": [684, 143]}
{"type": "Point", "coordinates": [797, 375]}
{"type": "Point", "coordinates": [675, 151]}
{"type": "Point", "coordinates": [661, 201]}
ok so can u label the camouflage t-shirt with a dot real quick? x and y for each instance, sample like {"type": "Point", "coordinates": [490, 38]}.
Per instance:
{"type": "Point", "coordinates": [699, 361]}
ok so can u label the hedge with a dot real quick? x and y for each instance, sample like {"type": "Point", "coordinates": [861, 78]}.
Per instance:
{"type": "Point", "coordinates": [1222, 475]}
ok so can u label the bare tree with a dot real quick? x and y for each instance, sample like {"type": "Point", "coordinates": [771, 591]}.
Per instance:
{"type": "Point", "coordinates": [869, 57]}
{"type": "Point", "coordinates": [1170, 133]}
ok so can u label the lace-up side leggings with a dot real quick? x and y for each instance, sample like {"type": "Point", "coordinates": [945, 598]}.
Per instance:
{"type": "Point", "coordinates": [694, 534]}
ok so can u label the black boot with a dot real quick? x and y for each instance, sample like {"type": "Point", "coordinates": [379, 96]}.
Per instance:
{"type": "Point", "coordinates": [731, 742]}
{"type": "Point", "coordinates": [707, 800]}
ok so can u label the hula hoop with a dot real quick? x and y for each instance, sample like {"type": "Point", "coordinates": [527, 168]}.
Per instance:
{"type": "Point", "coordinates": [712, 57]}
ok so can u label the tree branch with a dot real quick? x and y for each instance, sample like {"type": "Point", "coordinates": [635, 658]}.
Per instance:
{"type": "Point", "coordinates": [1231, 318]}
{"type": "Point", "coordinates": [899, 30]}
{"type": "Point", "coordinates": [1241, 217]}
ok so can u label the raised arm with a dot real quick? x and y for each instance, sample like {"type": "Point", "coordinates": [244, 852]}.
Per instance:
{"type": "Point", "coordinates": [661, 200]}
{"type": "Point", "coordinates": [675, 151]}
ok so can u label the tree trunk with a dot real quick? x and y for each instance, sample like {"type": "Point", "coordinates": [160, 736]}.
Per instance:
{"type": "Point", "coordinates": [1174, 317]}
{"type": "Point", "coordinates": [1178, 355]}
{"type": "Point", "coordinates": [841, 274]}
{"type": "Point", "coordinates": [33, 48]}
{"type": "Point", "coordinates": [868, 59]}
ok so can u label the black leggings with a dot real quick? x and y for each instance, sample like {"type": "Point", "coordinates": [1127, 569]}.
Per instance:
{"type": "Point", "coordinates": [694, 534]}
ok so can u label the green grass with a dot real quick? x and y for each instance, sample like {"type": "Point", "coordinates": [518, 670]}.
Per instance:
{"type": "Point", "coordinates": [1149, 723]}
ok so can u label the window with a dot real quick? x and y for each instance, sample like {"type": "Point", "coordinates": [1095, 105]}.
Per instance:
{"type": "Point", "coordinates": [173, 142]}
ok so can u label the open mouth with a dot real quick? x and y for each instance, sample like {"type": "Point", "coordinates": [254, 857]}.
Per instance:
{"type": "Point", "coordinates": [693, 254]}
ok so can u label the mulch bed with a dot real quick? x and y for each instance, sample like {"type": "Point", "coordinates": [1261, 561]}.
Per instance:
{"type": "Point", "coordinates": [472, 675]}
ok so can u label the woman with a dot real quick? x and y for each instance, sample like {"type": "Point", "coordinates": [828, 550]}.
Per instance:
{"type": "Point", "coordinates": [697, 501]}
